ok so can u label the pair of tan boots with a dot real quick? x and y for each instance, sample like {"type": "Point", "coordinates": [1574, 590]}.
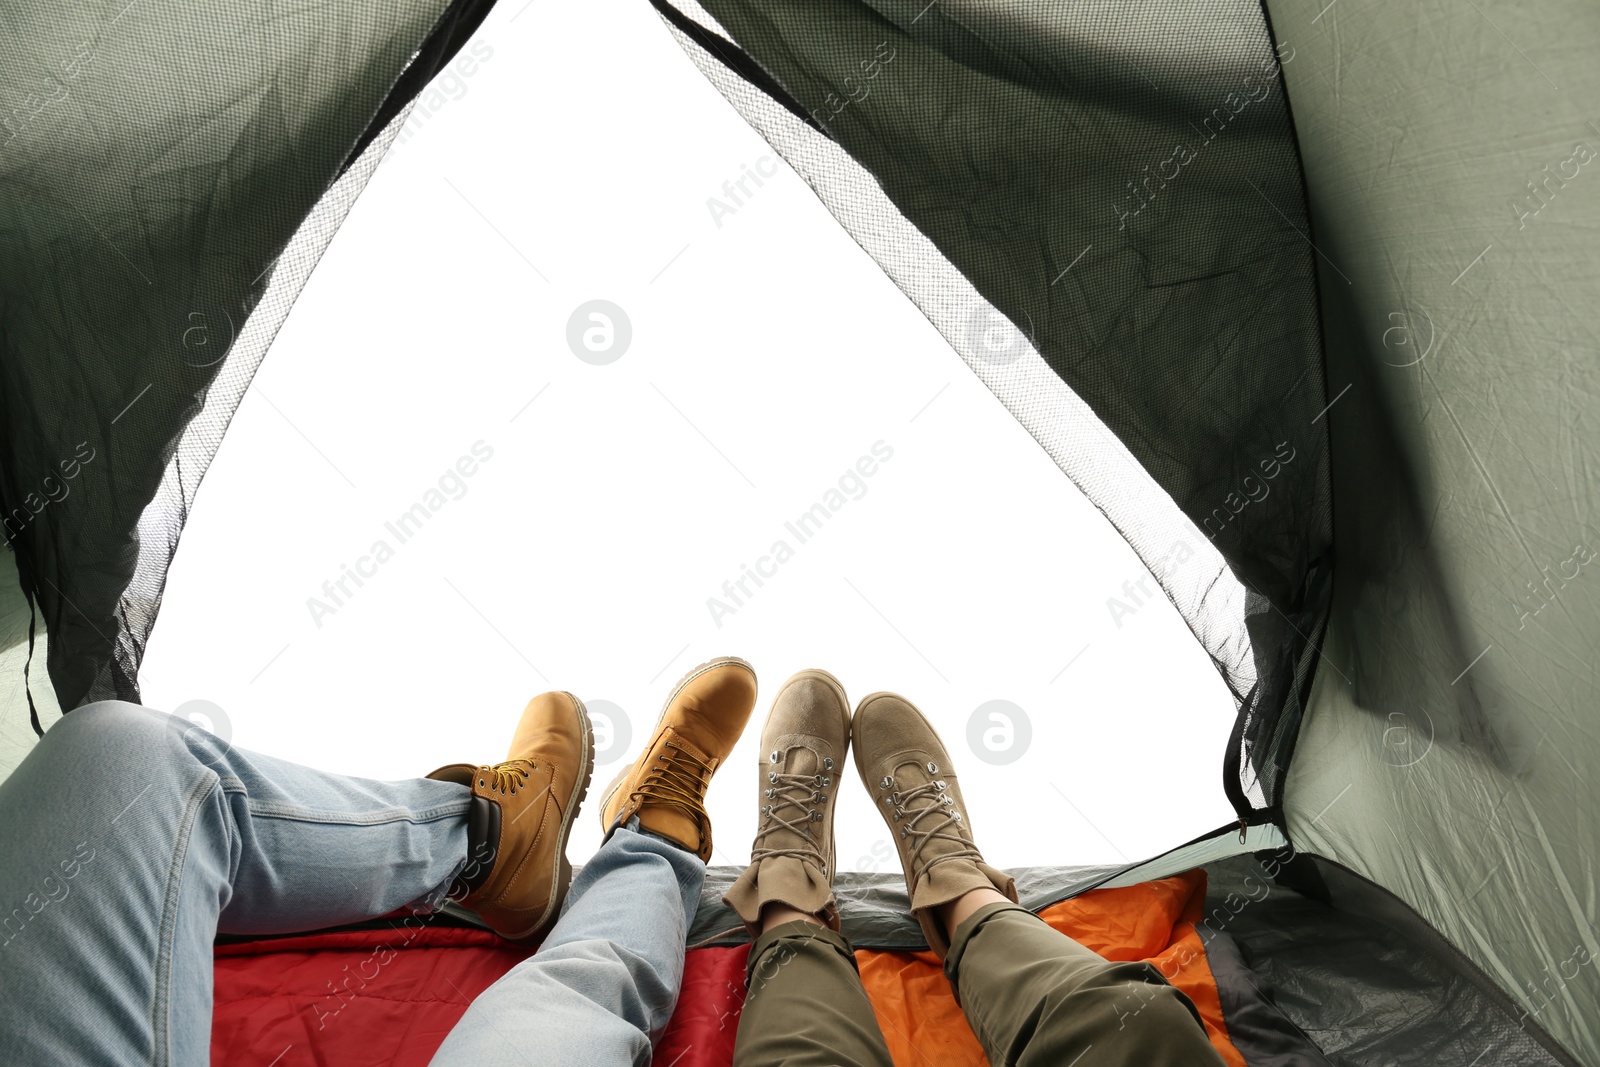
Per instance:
{"type": "Point", "coordinates": [517, 874]}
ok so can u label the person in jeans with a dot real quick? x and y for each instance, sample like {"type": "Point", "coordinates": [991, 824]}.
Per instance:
{"type": "Point", "coordinates": [1033, 996]}
{"type": "Point", "coordinates": [132, 839]}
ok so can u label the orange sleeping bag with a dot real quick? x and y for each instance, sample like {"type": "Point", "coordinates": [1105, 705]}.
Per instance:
{"type": "Point", "coordinates": [1153, 921]}
{"type": "Point", "coordinates": [372, 997]}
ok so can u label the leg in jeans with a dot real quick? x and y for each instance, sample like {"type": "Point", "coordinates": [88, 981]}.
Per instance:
{"type": "Point", "coordinates": [804, 1003]}
{"type": "Point", "coordinates": [1035, 997]}
{"type": "Point", "coordinates": [602, 986]}
{"type": "Point", "coordinates": [132, 838]}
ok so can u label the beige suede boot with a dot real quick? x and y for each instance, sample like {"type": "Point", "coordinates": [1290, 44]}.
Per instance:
{"type": "Point", "coordinates": [907, 771]}
{"type": "Point", "coordinates": [803, 746]}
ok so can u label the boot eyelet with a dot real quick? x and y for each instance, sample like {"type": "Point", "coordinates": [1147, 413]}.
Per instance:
{"type": "Point", "coordinates": [769, 794]}
{"type": "Point", "coordinates": [774, 757]}
{"type": "Point", "coordinates": [938, 786]}
{"type": "Point", "coordinates": [816, 816]}
{"type": "Point", "coordinates": [827, 763]}
{"type": "Point", "coordinates": [933, 768]}
{"type": "Point", "coordinates": [888, 782]}
{"type": "Point", "coordinates": [772, 776]}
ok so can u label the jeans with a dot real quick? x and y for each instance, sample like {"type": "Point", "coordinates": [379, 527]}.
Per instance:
{"type": "Point", "coordinates": [132, 838]}
{"type": "Point", "coordinates": [606, 978]}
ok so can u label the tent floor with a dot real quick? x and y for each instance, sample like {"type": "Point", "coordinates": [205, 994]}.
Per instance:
{"type": "Point", "coordinates": [1361, 974]}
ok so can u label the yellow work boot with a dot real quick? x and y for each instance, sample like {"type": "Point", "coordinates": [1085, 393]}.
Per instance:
{"type": "Point", "coordinates": [666, 788]}
{"type": "Point", "coordinates": [909, 775]}
{"type": "Point", "coordinates": [522, 809]}
{"type": "Point", "coordinates": [803, 746]}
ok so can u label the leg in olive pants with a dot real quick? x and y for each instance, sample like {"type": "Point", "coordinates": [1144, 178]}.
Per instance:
{"type": "Point", "coordinates": [1034, 998]}
{"type": "Point", "coordinates": [804, 1005]}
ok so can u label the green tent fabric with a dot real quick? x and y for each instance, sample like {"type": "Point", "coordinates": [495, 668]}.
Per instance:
{"type": "Point", "coordinates": [156, 159]}
{"type": "Point", "coordinates": [1443, 351]}
{"type": "Point", "coordinates": [1306, 285]}
{"type": "Point", "coordinates": [1448, 747]}
{"type": "Point", "coordinates": [1147, 242]}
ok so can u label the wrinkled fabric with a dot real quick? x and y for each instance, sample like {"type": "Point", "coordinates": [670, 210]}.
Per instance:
{"type": "Point", "coordinates": [265, 989]}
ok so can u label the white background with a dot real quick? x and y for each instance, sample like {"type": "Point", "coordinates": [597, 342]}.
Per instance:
{"type": "Point", "coordinates": [768, 354]}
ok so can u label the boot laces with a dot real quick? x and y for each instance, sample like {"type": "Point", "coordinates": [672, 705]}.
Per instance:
{"type": "Point", "coordinates": [679, 780]}
{"type": "Point", "coordinates": [506, 777]}
{"type": "Point", "coordinates": [799, 792]}
{"type": "Point", "coordinates": [930, 805]}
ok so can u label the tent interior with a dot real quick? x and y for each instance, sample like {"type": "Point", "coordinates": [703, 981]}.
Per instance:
{"type": "Point", "coordinates": [1220, 369]}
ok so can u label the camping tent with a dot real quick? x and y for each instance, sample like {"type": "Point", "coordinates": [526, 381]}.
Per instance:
{"type": "Point", "coordinates": [1301, 283]}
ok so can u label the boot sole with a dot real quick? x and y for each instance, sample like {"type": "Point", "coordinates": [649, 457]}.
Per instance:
{"type": "Point", "coordinates": [561, 880]}
{"type": "Point", "coordinates": [693, 673]}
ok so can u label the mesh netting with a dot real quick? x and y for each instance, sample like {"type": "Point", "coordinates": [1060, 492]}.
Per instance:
{"type": "Point", "coordinates": [170, 174]}
{"type": "Point", "coordinates": [1100, 206]}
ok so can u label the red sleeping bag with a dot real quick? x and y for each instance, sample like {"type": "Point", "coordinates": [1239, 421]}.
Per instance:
{"type": "Point", "coordinates": [389, 997]}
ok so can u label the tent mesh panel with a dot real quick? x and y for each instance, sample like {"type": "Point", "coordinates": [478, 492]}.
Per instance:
{"type": "Point", "coordinates": [1113, 194]}
{"type": "Point", "coordinates": [1100, 205]}
{"type": "Point", "coordinates": [174, 177]}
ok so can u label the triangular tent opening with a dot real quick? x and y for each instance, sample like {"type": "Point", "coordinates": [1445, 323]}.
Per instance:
{"type": "Point", "coordinates": [1305, 285]}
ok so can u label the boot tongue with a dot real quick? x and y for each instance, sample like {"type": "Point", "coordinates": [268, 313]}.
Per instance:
{"type": "Point", "coordinates": [802, 760]}
{"type": "Point", "coordinates": [928, 813]}
{"type": "Point", "coordinates": [668, 817]}
{"type": "Point", "coordinates": [798, 760]}
{"type": "Point", "coordinates": [789, 879]}
{"type": "Point", "coordinates": [911, 773]}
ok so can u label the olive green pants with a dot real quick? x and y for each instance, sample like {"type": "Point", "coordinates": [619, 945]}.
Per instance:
{"type": "Point", "coordinates": [1033, 996]}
